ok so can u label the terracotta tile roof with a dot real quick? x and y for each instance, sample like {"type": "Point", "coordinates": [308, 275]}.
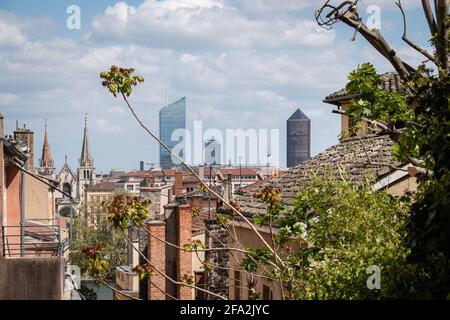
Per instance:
{"type": "Point", "coordinates": [252, 186]}
{"type": "Point", "coordinates": [136, 173]}
{"type": "Point", "coordinates": [358, 157]}
{"type": "Point", "coordinates": [192, 179]}
{"type": "Point", "coordinates": [391, 83]}
{"type": "Point", "coordinates": [162, 173]}
{"type": "Point", "coordinates": [106, 186]}
{"type": "Point", "coordinates": [237, 171]}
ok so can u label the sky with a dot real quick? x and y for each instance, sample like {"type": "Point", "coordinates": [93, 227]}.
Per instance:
{"type": "Point", "coordinates": [240, 64]}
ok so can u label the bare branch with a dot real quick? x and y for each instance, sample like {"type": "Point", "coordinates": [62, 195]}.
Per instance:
{"type": "Point", "coordinates": [408, 41]}
{"type": "Point", "coordinates": [429, 15]}
{"type": "Point", "coordinates": [347, 13]}
{"type": "Point", "coordinates": [442, 7]}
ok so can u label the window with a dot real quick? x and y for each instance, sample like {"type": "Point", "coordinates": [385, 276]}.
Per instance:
{"type": "Point", "coordinates": [67, 188]}
{"type": "Point", "coordinates": [237, 285]}
{"type": "Point", "coordinates": [130, 187]}
{"type": "Point", "coordinates": [267, 293]}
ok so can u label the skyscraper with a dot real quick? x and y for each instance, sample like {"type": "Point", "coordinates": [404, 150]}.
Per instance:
{"type": "Point", "coordinates": [298, 138]}
{"type": "Point", "coordinates": [171, 118]}
{"type": "Point", "coordinates": [212, 152]}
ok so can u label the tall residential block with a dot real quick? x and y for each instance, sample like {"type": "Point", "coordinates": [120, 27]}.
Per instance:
{"type": "Point", "coordinates": [298, 139]}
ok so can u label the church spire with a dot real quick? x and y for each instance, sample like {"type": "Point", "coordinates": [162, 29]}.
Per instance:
{"type": "Point", "coordinates": [85, 159]}
{"type": "Point", "coordinates": [46, 162]}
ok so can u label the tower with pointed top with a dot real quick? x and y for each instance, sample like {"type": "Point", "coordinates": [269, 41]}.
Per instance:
{"type": "Point", "coordinates": [86, 169]}
{"type": "Point", "coordinates": [298, 140]}
{"type": "Point", "coordinates": [46, 163]}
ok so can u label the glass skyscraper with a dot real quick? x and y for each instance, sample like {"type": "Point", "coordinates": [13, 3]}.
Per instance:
{"type": "Point", "coordinates": [171, 118]}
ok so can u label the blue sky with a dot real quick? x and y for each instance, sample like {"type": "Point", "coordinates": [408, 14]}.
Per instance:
{"type": "Point", "coordinates": [241, 64]}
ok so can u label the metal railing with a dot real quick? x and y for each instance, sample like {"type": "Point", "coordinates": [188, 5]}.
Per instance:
{"type": "Point", "coordinates": [33, 238]}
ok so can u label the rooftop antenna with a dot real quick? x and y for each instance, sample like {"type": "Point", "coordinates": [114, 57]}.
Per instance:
{"type": "Point", "coordinates": [268, 159]}
{"type": "Point", "coordinates": [45, 124]}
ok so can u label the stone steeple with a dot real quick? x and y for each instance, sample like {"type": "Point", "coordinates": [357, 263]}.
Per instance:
{"type": "Point", "coordinates": [46, 164]}
{"type": "Point", "coordinates": [86, 170]}
{"type": "Point", "coordinates": [85, 159]}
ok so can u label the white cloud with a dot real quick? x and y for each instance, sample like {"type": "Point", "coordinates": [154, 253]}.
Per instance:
{"type": "Point", "coordinates": [270, 6]}
{"type": "Point", "coordinates": [236, 72]}
{"type": "Point", "coordinates": [202, 24]}
{"type": "Point", "coordinates": [7, 99]}
{"type": "Point", "coordinates": [11, 35]}
{"type": "Point", "coordinates": [117, 109]}
{"type": "Point", "coordinates": [108, 127]}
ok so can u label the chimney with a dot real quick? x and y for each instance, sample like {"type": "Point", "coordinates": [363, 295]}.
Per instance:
{"type": "Point", "coordinates": [141, 166]}
{"type": "Point", "coordinates": [183, 259]}
{"type": "Point", "coordinates": [157, 256]}
{"type": "Point", "coordinates": [2, 183]}
{"type": "Point", "coordinates": [178, 183]}
{"type": "Point", "coordinates": [169, 196]}
{"type": "Point", "coordinates": [201, 172]}
{"type": "Point", "coordinates": [26, 138]}
{"type": "Point", "coordinates": [228, 190]}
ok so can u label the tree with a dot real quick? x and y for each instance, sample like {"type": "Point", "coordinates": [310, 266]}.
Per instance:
{"type": "Point", "coordinates": [347, 227]}
{"type": "Point", "coordinates": [90, 229]}
{"type": "Point", "coordinates": [418, 120]}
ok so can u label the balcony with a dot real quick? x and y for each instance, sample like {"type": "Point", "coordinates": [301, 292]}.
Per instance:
{"type": "Point", "coordinates": [35, 238]}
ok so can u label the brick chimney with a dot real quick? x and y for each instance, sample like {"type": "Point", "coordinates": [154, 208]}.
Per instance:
{"type": "Point", "coordinates": [2, 183]}
{"type": "Point", "coordinates": [157, 256]}
{"type": "Point", "coordinates": [178, 183]}
{"type": "Point", "coordinates": [184, 259]}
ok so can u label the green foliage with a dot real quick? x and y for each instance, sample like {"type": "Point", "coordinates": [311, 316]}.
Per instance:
{"type": "Point", "coordinates": [120, 80]}
{"type": "Point", "coordinates": [194, 245]}
{"type": "Point", "coordinates": [144, 270]}
{"type": "Point", "coordinates": [223, 219]}
{"type": "Point", "coordinates": [195, 212]}
{"type": "Point", "coordinates": [257, 255]}
{"type": "Point", "coordinates": [352, 228]}
{"type": "Point", "coordinates": [124, 211]}
{"type": "Point", "coordinates": [91, 229]}
{"type": "Point", "coordinates": [425, 113]}
{"type": "Point", "coordinates": [372, 101]}
{"type": "Point", "coordinates": [347, 228]}
{"type": "Point", "coordinates": [187, 279]}
{"type": "Point", "coordinates": [95, 263]}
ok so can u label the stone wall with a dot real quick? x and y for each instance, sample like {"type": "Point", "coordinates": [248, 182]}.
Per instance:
{"type": "Point", "coordinates": [31, 278]}
{"type": "Point", "coordinates": [217, 279]}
